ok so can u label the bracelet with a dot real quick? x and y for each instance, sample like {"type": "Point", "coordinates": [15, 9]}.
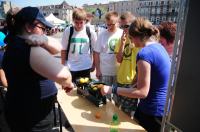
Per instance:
{"type": "Point", "coordinates": [114, 88]}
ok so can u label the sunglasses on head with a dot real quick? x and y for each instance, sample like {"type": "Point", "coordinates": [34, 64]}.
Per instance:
{"type": "Point", "coordinates": [124, 26]}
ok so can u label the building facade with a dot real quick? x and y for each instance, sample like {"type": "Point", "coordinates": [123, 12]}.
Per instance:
{"type": "Point", "coordinates": [4, 7]}
{"type": "Point", "coordinates": [159, 10]}
{"type": "Point", "coordinates": [154, 10]}
{"type": "Point", "coordinates": [123, 6]}
{"type": "Point", "coordinates": [62, 11]}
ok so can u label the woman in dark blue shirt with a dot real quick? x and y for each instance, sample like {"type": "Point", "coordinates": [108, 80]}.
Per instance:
{"type": "Point", "coordinates": [31, 72]}
{"type": "Point", "coordinates": [153, 71]}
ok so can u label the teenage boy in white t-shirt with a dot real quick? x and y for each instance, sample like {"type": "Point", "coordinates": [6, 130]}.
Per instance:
{"type": "Point", "coordinates": [105, 61]}
{"type": "Point", "coordinates": [79, 58]}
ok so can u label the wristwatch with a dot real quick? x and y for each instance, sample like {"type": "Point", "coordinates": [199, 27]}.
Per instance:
{"type": "Point", "coordinates": [114, 88]}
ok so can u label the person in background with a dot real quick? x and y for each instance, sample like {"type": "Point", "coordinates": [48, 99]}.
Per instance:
{"type": "Point", "coordinates": [89, 20]}
{"type": "Point", "coordinates": [79, 57]}
{"type": "Point", "coordinates": [92, 27]}
{"type": "Point", "coordinates": [3, 86]}
{"type": "Point", "coordinates": [153, 72]}
{"type": "Point", "coordinates": [31, 71]}
{"type": "Point", "coordinates": [126, 55]}
{"type": "Point", "coordinates": [105, 61]}
{"type": "Point", "coordinates": [167, 36]}
{"type": "Point", "coordinates": [3, 81]}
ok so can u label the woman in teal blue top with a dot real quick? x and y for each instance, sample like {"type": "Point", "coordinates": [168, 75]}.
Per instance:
{"type": "Point", "coordinates": [153, 71]}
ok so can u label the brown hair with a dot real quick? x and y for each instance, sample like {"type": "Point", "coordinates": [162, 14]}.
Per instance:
{"type": "Point", "coordinates": [110, 14]}
{"type": "Point", "coordinates": [79, 14]}
{"type": "Point", "coordinates": [127, 15]}
{"type": "Point", "coordinates": [143, 29]}
{"type": "Point", "coordinates": [90, 16]}
{"type": "Point", "coordinates": [168, 31]}
{"type": "Point", "coordinates": [14, 25]}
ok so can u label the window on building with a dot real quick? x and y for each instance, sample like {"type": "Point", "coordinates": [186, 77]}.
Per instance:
{"type": "Point", "coordinates": [156, 3]}
{"type": "Point", "coordinates": [173, 10]}
{"type": "Point", "coordinates": [157, 20]}
{"type": "Point", "coordinates": [56, 14]}
{"type": "Point", "coordinates": [153, 10]}
{"type": "Point", "coordinates": [164, 10]}
{"type": "Point", "coordinates": [152, 19]}
{"type": "Point", "coordinates": [164, 18]}
{"type": "Point", "coordinates": [174, 19]}
{"type": "Point", "coordinates": [158, 11]}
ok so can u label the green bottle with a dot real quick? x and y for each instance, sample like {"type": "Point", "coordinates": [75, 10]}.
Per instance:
{"type": "Point", "coordinates": [114, 124]}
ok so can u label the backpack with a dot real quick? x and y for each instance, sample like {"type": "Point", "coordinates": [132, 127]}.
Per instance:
{"type": "Point", "coordinates": [70, 36]}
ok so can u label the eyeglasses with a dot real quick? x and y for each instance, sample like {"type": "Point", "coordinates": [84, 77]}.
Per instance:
{"type": "Point", "coordinates": [110, 24]}
{"type": "Point", "coordinates": [43, 28]}
{"type": "Point", "coordinates": [124, 26]}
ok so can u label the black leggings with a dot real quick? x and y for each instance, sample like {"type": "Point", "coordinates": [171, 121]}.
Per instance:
{"type": "Point", "coordinates": [31, 117]}
{"type": "Point", "coordinates": [150, 123]}
{"type": "Point", "coordinates": [78, 74]}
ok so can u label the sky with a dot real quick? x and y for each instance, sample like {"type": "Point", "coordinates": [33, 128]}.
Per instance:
{"type": "Point", "coordinates": [23, 3]}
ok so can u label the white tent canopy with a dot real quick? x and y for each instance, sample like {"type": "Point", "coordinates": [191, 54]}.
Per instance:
{"type": "Point", "coordinates": [54, 20]}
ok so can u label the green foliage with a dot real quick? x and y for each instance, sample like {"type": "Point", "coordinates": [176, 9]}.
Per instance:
{"type": "Point", "coordinates": [93, 9]}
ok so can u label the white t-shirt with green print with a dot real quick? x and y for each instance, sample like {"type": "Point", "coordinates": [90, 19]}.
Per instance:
{"type": "Point", "coordinates": [105, 45]}
{"type": "Point", "coordinates": [79, 57]}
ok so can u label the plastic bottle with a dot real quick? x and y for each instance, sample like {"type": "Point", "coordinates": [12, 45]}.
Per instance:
{"type": "Point", "coordinates": [114, 124]}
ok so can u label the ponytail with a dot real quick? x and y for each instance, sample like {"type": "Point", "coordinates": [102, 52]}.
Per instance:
{"type": "Point", "coordinates": [155, 32]}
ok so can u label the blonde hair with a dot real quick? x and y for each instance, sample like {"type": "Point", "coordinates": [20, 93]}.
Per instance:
{"type": "Point", "coordinates": [79, 14]}
{"type": "Point", "coordinates": [143, 29]}
{"type": "Point", "coordinates": [110, 14]}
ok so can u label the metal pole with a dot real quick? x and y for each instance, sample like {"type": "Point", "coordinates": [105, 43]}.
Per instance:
{"type": "Point", "coordinates": [182, 17]}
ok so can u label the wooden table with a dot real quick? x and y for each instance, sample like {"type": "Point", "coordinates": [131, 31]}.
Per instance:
{"type": "Point", "coordinates": [81, 114]}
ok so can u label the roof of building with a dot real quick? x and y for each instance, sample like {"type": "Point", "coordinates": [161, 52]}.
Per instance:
{"type": "Point", "coordinates": [63, 5]}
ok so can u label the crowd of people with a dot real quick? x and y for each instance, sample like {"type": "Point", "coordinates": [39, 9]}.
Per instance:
{"type": "Point", "coordinates": [132, 57]}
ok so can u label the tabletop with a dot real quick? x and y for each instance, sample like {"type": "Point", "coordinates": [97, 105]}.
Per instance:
{"type": "Point", "coordinates": [82, 114]}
